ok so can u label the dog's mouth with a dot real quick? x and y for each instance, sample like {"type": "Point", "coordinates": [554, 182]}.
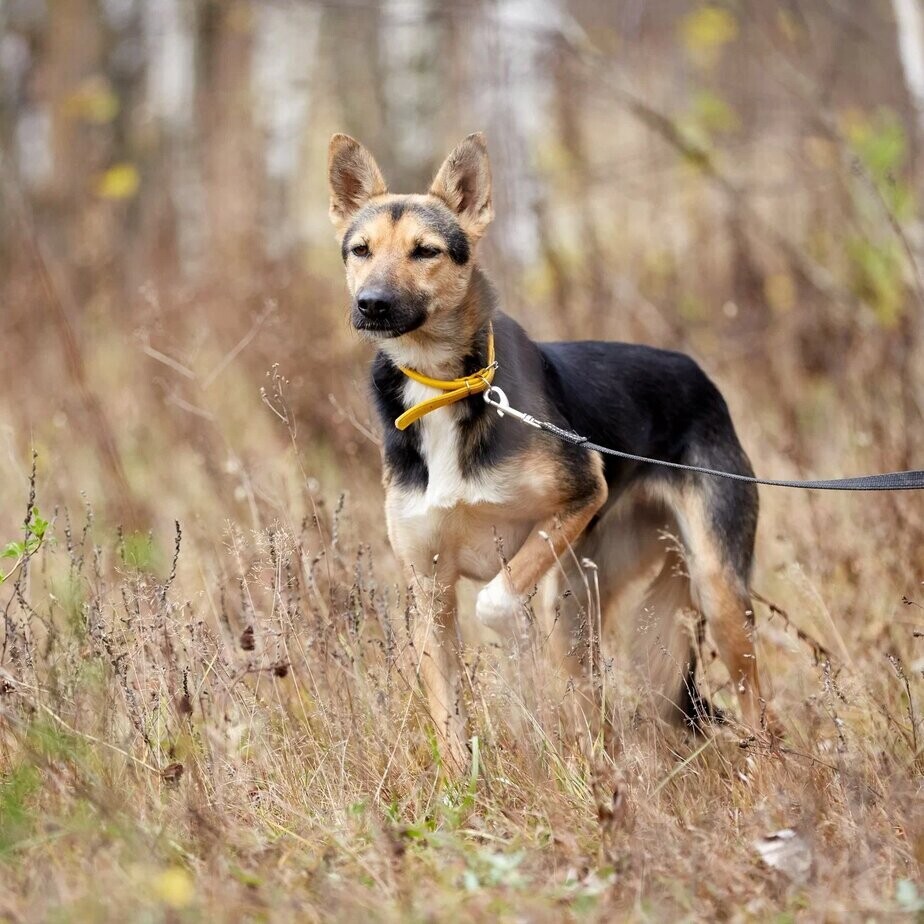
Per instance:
{"type": "Point", "coordinates": [389, 327]}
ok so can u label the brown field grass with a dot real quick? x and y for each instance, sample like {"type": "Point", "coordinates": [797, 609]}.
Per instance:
{"type": "Point", "coordinates": [216, 726]}
{"type": "Point", "coordinates": [203, 710]}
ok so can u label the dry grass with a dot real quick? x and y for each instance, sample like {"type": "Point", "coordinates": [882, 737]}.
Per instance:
{"type": "Point", "coordinates": [224, 731]}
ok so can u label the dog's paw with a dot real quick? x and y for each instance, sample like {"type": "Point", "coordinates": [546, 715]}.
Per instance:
{"type": "Point", "coordinates": [499, 608]}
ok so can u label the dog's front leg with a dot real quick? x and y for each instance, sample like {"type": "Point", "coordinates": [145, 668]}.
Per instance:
{"type": "Point", "coordinates": [436, 660]}
{"type": "Point", "coordinates": [500, 603]}
{"type": "Point", "coordinates": [432, 656]}
{"type": "Point", "coordinates": [501, 606]}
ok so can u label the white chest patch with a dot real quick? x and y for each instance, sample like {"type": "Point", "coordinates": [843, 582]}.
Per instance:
{"type": "Point", "coordinates": [447, 487]}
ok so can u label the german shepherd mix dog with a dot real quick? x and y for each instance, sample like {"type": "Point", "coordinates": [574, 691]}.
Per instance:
{"type": "Point", "coordinates": [471, 495]}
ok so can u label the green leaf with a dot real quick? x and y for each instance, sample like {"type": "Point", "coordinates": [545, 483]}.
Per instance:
{"type": "Point", "coordinates": [38, 525]}
{"type": "Point", "coordinates": [13, 550]}
{"type": "Point", "coordinates": [713, 114]}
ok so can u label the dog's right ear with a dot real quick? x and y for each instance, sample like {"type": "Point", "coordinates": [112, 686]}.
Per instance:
{"type": "Point", "coordinates": [354, 178]}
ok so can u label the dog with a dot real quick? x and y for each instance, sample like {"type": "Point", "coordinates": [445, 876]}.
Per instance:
{"type": "Point", "coordinates": [471, 495]}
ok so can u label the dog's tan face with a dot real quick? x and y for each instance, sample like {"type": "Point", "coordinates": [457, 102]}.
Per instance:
{"type": "Point", "coordinates": [408, 258]}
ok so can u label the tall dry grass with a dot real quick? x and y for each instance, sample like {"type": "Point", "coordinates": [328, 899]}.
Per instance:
{"type": "Point", "coordinates": [222, 729]}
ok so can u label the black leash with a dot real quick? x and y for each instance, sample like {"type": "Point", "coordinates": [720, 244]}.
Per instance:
{"type": "Point", "coordinates": [889, 481]}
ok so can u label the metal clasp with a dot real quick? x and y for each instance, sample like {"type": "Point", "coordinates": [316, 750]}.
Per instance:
{"type": "Point", "coordinates": [498, 399]}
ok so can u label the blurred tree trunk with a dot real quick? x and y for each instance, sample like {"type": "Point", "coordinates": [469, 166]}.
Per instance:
{"type": "Point", "coordinates": [359, 88]}
{"type": "Point", "coordinates": [411, 42]}
{"type": "Point", "coordinates": [234, 186]}
{"type": "Point", "coordinates": [910, 26]}
{"type": "Point", "coordinates": [169, 32]}
{"type": "Point", "coordinates": [71, 55]}
{"type": "Point", "coordinates": [577, 169]}
{"type": "Point", "coordinates": [284, 53]}
{"type": "Point", "coordinates": [509, 88]}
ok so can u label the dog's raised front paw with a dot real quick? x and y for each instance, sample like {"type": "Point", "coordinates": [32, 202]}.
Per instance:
{"type": "Point", "coordinates": [499, 608]}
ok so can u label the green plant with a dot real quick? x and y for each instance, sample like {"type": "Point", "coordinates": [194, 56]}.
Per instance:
{"type": "Point", "coordinates": [22, 550]}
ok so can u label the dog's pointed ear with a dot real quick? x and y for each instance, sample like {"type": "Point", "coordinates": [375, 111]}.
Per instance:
{"type": "Point", "coordinates": [464, 184]}
{"type": "Point", "coordinates": [354, 178]}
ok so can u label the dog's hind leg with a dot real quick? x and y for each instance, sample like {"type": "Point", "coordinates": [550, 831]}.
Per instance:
{"type": "Point", "coordinates": [644, 587]}
{"type": "Point", "coordinates": [717, 524]}
{"type": "Point", "coordinates": [661, 645]}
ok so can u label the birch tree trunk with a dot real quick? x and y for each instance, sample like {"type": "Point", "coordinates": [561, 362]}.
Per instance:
{"type": "Point", "coordinates": [509, 91]}
{"type": "Point", "coordinates": [910, 26]}
{"type": "Point", "coordinates": [284, 52]}
{"type": "Point", "coordinates": [410, 42]}
{"type": "Point", "coordinates": [170, 45]}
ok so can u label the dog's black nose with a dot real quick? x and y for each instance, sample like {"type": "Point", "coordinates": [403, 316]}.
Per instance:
{"type": "Point", "coordinates": [374, 303]}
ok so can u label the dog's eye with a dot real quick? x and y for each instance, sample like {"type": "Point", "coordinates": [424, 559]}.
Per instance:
{"type": "Point", "coordinates": [423, 252]}
{"type": "Point", "coordinates": [360, 250]}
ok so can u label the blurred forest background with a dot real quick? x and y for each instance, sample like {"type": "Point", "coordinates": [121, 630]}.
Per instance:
{"type": "Point", "coordinates": [741, 180]}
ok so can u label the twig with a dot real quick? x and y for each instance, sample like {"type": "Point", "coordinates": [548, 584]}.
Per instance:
{"type": "Point", "coordinates": [820, 652]}
{"type": "Point", "coordinates": [174, 364]}
{"type": "Point", "coordinates": [680, 766]}
{"type": "Point", "coordinates": [264, 316]}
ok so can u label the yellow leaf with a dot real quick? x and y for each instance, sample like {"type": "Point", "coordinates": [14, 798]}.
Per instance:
{"type": "Point", "coordinates": [93, 101]}
{"type": "Point", "coordinates": [780, 290]}
{"type": "Point", "coordinates": [120, 181]}
{"type": "Point", "coordinates": [706, 31]}
{"type": "Point", "coordinates": [713, 114]}
{"type": "Point", "coordinates": [856, 125]}
{"type": "Point", "coordinates": [789, 26]}
{"type": "Point", "coordinates": [175, 887]}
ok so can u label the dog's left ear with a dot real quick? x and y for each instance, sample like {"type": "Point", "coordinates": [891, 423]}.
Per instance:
{"type": "Point", "coordinates": [354, 178]}
{"type": "Point", "coordinates": [464, 184]}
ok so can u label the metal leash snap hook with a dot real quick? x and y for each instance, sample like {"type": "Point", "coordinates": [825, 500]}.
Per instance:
{"type": "Point", "coordinates": [501, 402]}
{"type": "Point", "coordinates": [503, 407]}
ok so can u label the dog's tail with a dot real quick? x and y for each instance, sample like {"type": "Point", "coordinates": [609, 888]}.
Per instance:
{"type": "Point", "coordinates": [662, 647]}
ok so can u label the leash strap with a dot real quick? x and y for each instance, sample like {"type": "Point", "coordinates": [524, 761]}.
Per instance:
{"type": "Point", "coordinates": [889, 481]}
{"type": "Point", "coordinates": [453, 389]}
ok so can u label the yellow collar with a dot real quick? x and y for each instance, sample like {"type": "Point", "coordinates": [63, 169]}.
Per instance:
{"type": "Point", "coordinates": [453, 389]}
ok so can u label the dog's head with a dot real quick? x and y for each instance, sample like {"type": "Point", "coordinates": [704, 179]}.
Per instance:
{"type": "Point", "coordinates": [408, 258]}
